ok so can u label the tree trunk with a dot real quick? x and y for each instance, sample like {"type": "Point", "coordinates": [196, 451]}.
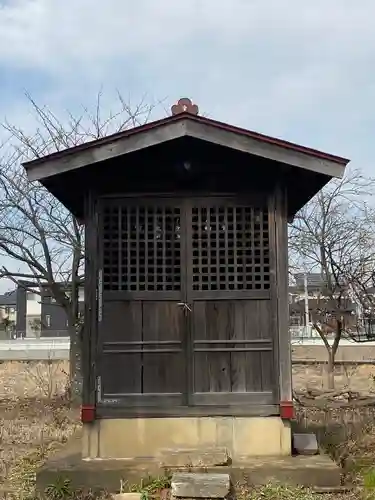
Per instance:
{"type": "Point", "coordinates": [331, 370]}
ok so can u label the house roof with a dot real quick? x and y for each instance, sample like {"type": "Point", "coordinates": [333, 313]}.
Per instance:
{"type": "Point", "coordinates": [325, 304]}
{"type": "Point", "coordinates": [182, 118]}
{"type": "Point", "coordinates": [314, 280]}
{"type": "Point", "coordinates": [9, 298]}
{"type": "Point", "coordinates": [199, 128]}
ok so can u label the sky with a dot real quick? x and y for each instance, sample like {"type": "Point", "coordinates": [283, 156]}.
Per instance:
{"type": "Point", "coordinates": [302, 71]}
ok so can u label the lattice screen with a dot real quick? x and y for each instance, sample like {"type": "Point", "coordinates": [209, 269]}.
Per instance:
{"type": "Point", "coordinates": [230, 248]}
{"type": "Point", "coordinates": [142, 248]}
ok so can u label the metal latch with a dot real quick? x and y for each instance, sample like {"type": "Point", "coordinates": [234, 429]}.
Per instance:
{"type": "Point", "coordinates": [185, 307]}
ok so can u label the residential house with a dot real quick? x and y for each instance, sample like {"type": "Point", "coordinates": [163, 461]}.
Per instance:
{"type": "Point", "coordinates": [54, 321]}
{"type": "Point", "coordinates": [8, 314]}
{"type": "Point", "coordinates": [309, 295]}
{"type": "Point", "coordinates": [28, 310]}
{"type": "Point", "coordinates": [35, 312]}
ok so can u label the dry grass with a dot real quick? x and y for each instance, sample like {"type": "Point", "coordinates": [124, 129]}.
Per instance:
{"type": "Point", "coordinates": [357, 378]}
{"type": "Point", "coordinates": [31, 425]}
{"type": "Point", "coordinates": [33, 379]}
{"type": "Point", "coordinates": [29, 432]}
{"type": "Point", "coordinates": [348, 435]}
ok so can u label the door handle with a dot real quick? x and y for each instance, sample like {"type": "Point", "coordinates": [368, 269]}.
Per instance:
{"type": "Point", "coordinates": [184, 306]}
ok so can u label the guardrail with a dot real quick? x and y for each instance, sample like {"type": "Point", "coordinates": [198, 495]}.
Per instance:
{"type": "Point", "coordinates": [57, 348]}
{"type": "Point", "coordinates": [51, 348]}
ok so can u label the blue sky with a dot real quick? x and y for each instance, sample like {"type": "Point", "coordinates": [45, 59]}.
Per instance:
{"type": "Point", "coordinates": [303, 71]}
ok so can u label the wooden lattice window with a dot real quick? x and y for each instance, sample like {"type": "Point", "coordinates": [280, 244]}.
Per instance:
{"type": "Point", "coordinates": [142, 248]}
{"type": "Point", "coordinates": [230, 246]}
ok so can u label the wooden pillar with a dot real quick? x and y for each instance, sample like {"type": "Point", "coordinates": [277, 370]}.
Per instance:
{"type": "Point", "coordinates": [282, 300]}
{"type": "Point", "coordinates": [89, 340]}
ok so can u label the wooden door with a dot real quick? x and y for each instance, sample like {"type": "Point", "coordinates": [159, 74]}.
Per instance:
{"type": "Point", "coordinates": [229, 292]}
{"type": "Point", "coordinates": [142, 322]}
{"type": "Point", "coordinates": [186, 317]}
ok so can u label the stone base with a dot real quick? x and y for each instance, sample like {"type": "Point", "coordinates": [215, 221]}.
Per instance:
{"type": "Point", "coordinates": [206, 457]}
{"type": "Point", "coordinates": [135, 438]}
{"type": "Point", "coordinates": [313, 471]}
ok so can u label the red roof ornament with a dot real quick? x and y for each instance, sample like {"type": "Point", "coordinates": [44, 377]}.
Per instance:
{"type": "Point", "coordinates": [184, 105]}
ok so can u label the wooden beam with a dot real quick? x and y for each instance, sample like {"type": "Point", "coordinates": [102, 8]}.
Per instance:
{"type": "Point", "coordinates": [122, 410]}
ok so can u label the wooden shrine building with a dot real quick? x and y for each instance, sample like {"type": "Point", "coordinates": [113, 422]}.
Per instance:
{"type": "Point", "coordinates": [186, 338]}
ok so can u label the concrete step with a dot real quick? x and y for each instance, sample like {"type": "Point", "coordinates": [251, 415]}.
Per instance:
{"type": "Point", "coordinates": [193, 485]}
{"type": "Point", "coordinates": [206, 457]}
{"type": "Point", "coordinates": [308, 471]}
{"type": "Point", "coordinates": [313, 471]}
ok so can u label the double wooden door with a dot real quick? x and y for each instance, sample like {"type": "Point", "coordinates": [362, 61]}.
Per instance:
{"type": "Point", "coordinates": [185, 314]}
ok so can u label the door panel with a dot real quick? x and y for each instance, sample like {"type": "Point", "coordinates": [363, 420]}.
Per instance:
{"type": "Point", "coordinates": [142, 327]}
{"type": "Point", "coordinates": [229, 289]}
{"type": "Point", "coordinates": [232, 352]}
{"type": "Point", "coordinates": [142, 357]}
{"type": "Point", "coordinates": [121, 333]}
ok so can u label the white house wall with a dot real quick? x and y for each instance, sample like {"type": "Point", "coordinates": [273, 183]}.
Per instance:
{"type": "Point", "coordinates": [33, 312]}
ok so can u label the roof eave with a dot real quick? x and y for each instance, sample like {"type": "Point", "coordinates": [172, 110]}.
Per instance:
{"type": "Point", "coordinates": [185, 125]}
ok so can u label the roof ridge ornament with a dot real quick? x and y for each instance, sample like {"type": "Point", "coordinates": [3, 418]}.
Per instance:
{"type": "Point", "coordinates": [184, 105]}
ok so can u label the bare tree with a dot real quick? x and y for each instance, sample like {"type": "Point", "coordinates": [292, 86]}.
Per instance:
{"type": "Point", "coordinates": [43, 242]}
{"type": "Point", "coordinates": [334, 235]}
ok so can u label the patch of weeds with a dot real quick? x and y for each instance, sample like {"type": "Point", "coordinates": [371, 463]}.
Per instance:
{"type": "Point", "coordinates": [59, 490]}
{"type": "Point", "coordinates": [149, 487]}
{"type": "Point", "coordinates": [369, 483]}
{"type": "Point", "coordinates": [369, 478]}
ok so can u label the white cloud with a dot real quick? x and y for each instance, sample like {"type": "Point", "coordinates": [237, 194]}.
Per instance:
{"type": "Point", "coordinates": [268, 64]}
{"type": "Point", "coordinates": [51, 34]}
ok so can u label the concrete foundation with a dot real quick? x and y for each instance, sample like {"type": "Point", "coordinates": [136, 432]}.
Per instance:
{"type": "Point", "coordinates": [315, 471]}
{"type": "Point", "coordinates": [138, 438]}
